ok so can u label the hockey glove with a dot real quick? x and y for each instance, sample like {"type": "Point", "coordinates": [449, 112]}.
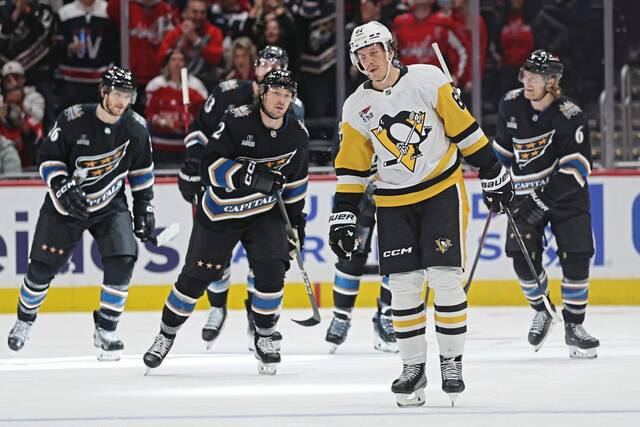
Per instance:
{"type": "Point", "coordinates": [258, 177]}
{"type": "Point", "coordinates": [189, 182]}
{"type": "Point", "coordinates": [144, 222]}
{"type": "Point", "coordinates": [497, 189]}
{"type": "Point", "coordinates": [298, 242]}
{"type": "Point", "coordinates": [533, 207]}
{"type": "Point", "coordinates": [71, 197]}
{"type": "Point", "coordinates": [342, 234]}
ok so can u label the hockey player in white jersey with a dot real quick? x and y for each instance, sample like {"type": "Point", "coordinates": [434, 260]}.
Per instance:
{"type": "Point", "coordinates": [414, 121]}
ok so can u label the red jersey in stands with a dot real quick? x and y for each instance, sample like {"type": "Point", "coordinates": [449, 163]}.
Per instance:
{"type": "Point", "coordinates": [516, 41]}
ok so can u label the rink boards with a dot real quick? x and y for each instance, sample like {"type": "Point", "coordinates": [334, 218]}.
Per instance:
{"type": "Point", "coordinates": [615, 270]}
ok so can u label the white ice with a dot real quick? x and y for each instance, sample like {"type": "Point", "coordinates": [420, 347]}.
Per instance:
{"type": "Point", "coordinates": [56, 381]}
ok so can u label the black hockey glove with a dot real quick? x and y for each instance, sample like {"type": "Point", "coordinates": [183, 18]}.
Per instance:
{"type": "Point", "coordinates": [497, 189]}
{"type": "Point", "coordinates": [189, 182]}
{"type": "Point", "coordinates": [71, 197]}
{"type": "Point", "coordinates": [144, 223]}
{"type": "Point", "coordinates": [342, 233]}
{"type": "Point", "coordinates": [533, 207]}
{"type": "Point", "coordinates": [258, 177]}
{"type": "Point", "coordinates": [298, 243]}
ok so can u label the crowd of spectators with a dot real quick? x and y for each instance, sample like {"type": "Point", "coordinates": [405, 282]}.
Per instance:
{"type": "Point", "coordinates": [53, 53]}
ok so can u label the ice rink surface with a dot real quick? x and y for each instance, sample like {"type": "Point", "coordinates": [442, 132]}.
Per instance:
{"type": "Point", "coordinates": [56, 381]}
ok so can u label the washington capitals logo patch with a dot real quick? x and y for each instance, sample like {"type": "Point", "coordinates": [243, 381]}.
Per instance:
{"type": "Point", "coordinates": [91, 169]}
{"type": "Point", "coordinates": [529, 149]}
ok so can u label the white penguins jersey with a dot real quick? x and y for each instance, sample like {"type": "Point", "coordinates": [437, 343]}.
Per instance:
{"type": "Point", "coordinates": [416, 128]}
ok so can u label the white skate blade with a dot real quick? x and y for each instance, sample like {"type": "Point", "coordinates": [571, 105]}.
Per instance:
{"type": "Point", "coordinates": [386, 347]}
{"type": "Point", "coordinates": [209, 344]}
{"type": "Point", "coordinates": [453, 397]}
{"type": "Point", "coordinates": [108, 356]}
{"type": "Point", "coordinates": [582, 353]}
{"type": "Point", "coordinates": [333, 348]}
{"type": "Point", "coordinates": [267, 368]}
{"type": "Point", "coordinates": [539, 346]}
{"type": "Point", "coordinates": [147, 371]}
{"type": "Point", "coordinates": [411, 400]}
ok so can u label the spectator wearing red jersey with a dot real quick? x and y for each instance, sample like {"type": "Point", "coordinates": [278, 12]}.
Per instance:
{"type": "Point", "coordinates": [243, 55]}
{"type": "Point", "coordinates": [164, 109]}
{"type": "Point", "coordinates": [417, 30]}
{"type": "Point", "coordinates": [516, 42]}
{"type": "Point", "coordinates": [200, 41]}
{"type": "Point", "coordinates": [149, 23]}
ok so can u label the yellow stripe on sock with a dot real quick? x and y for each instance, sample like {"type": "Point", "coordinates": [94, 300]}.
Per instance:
{"type": "Point", "coordinates": [412, 322]}
{"type": "Point", "coordinates": [453, 319]}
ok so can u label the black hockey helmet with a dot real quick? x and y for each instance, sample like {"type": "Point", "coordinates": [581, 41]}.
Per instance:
{"type": "Point", "coordinates": [279, 78]}
{"type": "Point", "coordinates": [543, 62]}
{"type": "Point", "coordinates": [121, 79]}
{"type": "Point", "coordinates": [273, 53]}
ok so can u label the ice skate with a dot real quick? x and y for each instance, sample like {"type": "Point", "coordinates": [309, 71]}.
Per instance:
{"type": "Point", "coordinates": [19, 334]}
{"type": "Point", "coordinates": [337, 333]}
{"type": "Point", "coordinates": [452, 382]}
{"type": "Point", "coordinates": [541, 325]}
{"type": "Point", "coordinates": [214, 324]}
{"type": "Point", "coordinates": [409, 387]}
{"type": "Point", "coordinates": [384, 337]}
{"type": "Point", "coordinates": [268, 357]}
{"type": "Point", "coordinates": [581, 344]}
{"type": "Point", "coordinates": [108, 345]}
{"type": "Point", "coordinates": [158, 351]}
{"type": "Point", "coordinates": [251, 330]}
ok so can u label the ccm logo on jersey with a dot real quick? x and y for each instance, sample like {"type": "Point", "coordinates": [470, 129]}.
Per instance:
{"type": "Point", "coordinates": [396, 252]}
{"type": "Point", "coordinates": [402, 135]}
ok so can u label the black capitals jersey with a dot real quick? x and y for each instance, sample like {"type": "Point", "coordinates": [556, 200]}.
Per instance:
{"type": "Point", "coordinates": [240, 136]}
{"type": "Point", "coordinates": [99, 156]}
{"type": "Point", "coordinates": [549, 148]}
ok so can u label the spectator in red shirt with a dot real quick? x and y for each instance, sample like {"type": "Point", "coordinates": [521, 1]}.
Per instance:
{"type": "Point", "coordinates": [516, 42]}
{"type": "Point", "coordinates": [200, 41]}
{"type": "Point", "coordinates": [164, 109]}
{"type": "Point", "coordinates": [243, 53]}
{"type": "Point", "coordinates": [461, 15]}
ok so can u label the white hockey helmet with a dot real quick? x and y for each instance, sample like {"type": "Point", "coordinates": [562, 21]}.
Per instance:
{"type": "Point", "coordinates": [365, 35]}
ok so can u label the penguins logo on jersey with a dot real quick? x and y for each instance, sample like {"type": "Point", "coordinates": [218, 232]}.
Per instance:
{"type": "Point", "coordinates": [443, 245]}
{"type": "Point", "coordinates": [402, 135]}
{"type": "Point", "coordinates": [93, 168]}
{"type": "Point", "coordinates": [274, 163]}
{"type": "Point", "coordinates": [529, 149]}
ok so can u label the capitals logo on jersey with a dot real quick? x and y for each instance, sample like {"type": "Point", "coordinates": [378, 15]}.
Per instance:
{"type": "Point", "coordinates": [274, 163]}
{"type": "Point", "coordinates": [90, 169]}
{"type": "Point", "coordinates": [529, 149]}
{"type": "Point", "coordinates": [402, 135]}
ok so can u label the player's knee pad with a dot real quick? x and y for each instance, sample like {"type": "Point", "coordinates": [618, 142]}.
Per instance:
{"type": "Point", "coordinates": [269, 275]}
{"type": "Point", "coordinates": [118, 270]}
{"type": "Point", "coordinates": [353, 266]}
{"type": "Point", "coordinates": [522, 270]}
{"type": "Point", "coordinates": [575, 266]}
{"type": "Point", "coordinates": [406, 289]}
{"type": "Point", "coordinates": [444, 277]}
{"type": "Point", "coordinates": [40, 273]}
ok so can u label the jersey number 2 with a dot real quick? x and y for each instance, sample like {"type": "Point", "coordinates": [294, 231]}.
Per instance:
{"type": "Point", "coordinates": [217, 133]}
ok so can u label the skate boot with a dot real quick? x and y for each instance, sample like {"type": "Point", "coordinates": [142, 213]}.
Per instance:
{"type": "Point", "coordinates": [158, 351]}
{"type": "Point", "coordinates": [19, 334]}
{"type": "Point", "coordinates": [452, 382]}
{"type": "Point", "coordinates": [540, 327]}
{"type": "Point", "coordinates": [268, 357]}
{"type": "Point", "coordinates": [384, 337]}
{"type": "Point", "coordinates": [409, 387]}
{"type": "Point", "coordinates": [214, 324]}
{"type": "Point", "coordinates": [251, 331]}
{"type": "Point", "coordinates": [108, 345]}
{"type": "Point", "coordinates": [581, 344]}
{"type": "Point", "coordinates": [337, 332]}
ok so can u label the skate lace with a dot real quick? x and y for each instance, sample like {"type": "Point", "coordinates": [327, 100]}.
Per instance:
{"type": "Point", "coordinates": [20, 330]}
{"type": "Point", "coordinates": [266, 345]}
{"type": "Point", "coordinates": [451, 369]}
{"type": "Point", "coordinates": [338, 327]}
{"type": "Point", "coordinates": [539, 321]}
{"type": "Point", "coordinates": [409, 372]}
{"type": "Point", "coordinates": [107, 336]}
{"type": "Point", "coordinates": [161, 346]}
{"type": "Point", "coordinates": [215, 319]}
{"type": "Point", "coordinates": [578, 331]}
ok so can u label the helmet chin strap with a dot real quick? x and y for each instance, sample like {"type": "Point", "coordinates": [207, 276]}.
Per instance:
{"type": "Point", "coordinates": [386, 76]}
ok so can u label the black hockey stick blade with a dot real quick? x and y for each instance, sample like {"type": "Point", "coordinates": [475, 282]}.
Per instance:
{"type": "Point", "coordinates": [478, 252]}
{"type": "Point", "coordinates": [518, 238]}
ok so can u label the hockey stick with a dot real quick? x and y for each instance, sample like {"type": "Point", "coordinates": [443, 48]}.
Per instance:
{"type": "Point", "coordinates": [478, 252]}
{"type": "Point", "coordinates": [167, 235]}
{"type": "Point", "coordinates": [406, 144]}
{"type": "Point", "coordinates": [315, 319]}
{"type": "Point", "coordinates": [184, 82]}
{"type": "Point", "coordinates": [443, 64]}
{"type": "Point", "coordinates": [518, 237]}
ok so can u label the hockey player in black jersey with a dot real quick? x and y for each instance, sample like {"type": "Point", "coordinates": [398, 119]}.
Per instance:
{"type": "Point", "coordinates": [255, 154]}
{"type": "Point", "coordinates": [544, 137]}
{"type": "Point", "coordinates": [85, 159]}
{"type": "Point", "coordinates": [226, 96]}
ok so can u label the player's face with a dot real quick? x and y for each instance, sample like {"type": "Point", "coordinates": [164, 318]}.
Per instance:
{"type": "Point", "coordinates": [374, 61]}
{"type": "Point", "coordinates": [263, 66]}
{"type": "Point", "coordinates": [277, 101]}
{"type": "Point", "coordinates": [118, 100]}
{"type": "Point", "coordinates": [533, 83]}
